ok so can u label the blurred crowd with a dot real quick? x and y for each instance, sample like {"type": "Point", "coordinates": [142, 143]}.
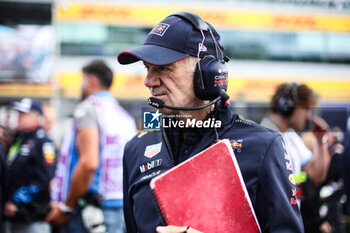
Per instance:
{"type": "Point", "coordinates": [319, 157]}
{"type": "Point", "coordinates": [72, 187]}
{"type": "Point", "coordinates": [26, 53]}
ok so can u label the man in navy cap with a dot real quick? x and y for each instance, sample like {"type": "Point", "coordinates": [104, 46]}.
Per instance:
{"type": "Point", "coordinates": [31, 161]}
{"type": "Point", "coordinates": [187, 76]}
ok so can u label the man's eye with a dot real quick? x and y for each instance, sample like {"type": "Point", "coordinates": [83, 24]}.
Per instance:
{"type": "Point", "coordinates": [165, 68]}
{"type": "Point", "coordinates": [158, 68]}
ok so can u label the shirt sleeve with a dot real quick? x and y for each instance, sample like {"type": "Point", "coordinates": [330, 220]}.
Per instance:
{"type": "Point", "coordinates": [276, 204]}
{"type": "Point", "coordinates": [85, 116]}
{"type": "Point", "coordinates": [303, 151]}
{"type": "Point", "coordinates": [298, 148]}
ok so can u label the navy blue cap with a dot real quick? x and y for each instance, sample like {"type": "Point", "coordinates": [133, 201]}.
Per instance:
{"type": "Point", "coordinates": [28, 105]}
{"type": "Point", "coordinates": [171, 40]}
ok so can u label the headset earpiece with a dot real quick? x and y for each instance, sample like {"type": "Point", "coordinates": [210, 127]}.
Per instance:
{"type": "Point", "coordinates": [210, 78]}
{"type": "Point", "coordinates": [288, 100]}
{"type": "Point", "coordinates": [211, 75]}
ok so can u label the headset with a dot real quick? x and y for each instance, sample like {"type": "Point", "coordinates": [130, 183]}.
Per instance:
{"type": "Point", "coordinates": [288, 100]}
{"type": "Point", "coordinates": [211, 74]}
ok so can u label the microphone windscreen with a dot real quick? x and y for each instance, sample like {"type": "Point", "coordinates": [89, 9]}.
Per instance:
{"type": "Point", "coordinates": [224, 95]}
{"type": "Point", "coordinates": [154, 102]}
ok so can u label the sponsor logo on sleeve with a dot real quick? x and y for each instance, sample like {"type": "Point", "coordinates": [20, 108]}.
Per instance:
{"type": "Point", "coordinates": [288, 161]}
{"type": "Point", "coordinates": [289, 166]}
{"type": "Point", "coordinates": [49, 153]}
{"type": "Point", "coordinates": [292, 179]}
{"type": "Point", "coordinates": [293, 201]}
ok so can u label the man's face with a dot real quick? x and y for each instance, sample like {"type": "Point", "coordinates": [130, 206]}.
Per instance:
{"type": "Point", "coordinates": [173, 83]}
{"type": "Point", "coordinates": [299, 118]}
{"type": "Point", "coordinates": [27, 121]}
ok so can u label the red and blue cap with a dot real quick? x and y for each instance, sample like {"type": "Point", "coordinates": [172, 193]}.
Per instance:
{"type": "Point", "coordinates": [171, 40]}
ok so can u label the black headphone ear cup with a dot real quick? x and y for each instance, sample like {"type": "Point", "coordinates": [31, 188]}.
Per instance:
{"type": "Point", "coordinates": [286, 105]}
{"type": "Point", "coordinates": [210, 77]}
{"type": "Point", "coordinates": [283, 107]}
{"type": "Point", "coordinates": [198, 83]}
{"type": "Point", "coordinates": [288, 100]}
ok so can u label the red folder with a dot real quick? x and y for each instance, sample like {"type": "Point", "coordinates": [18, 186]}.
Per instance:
{"type": "Point", "coordinates": [206, 192]}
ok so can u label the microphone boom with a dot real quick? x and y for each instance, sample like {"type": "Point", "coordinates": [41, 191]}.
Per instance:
{"type": "Point", "coordinates": [157, 103]}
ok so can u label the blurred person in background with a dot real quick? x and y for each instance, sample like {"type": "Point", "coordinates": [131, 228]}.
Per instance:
{"type": "Point", "coordinates": [31, 161]}
{"type": "Point", "coordinates": [49, 116]}
{"type": "Point", "coordinates": [345, 165]}
{"type": "Point", "coordinates": [3, 176]}
{"type": "Point", "coordinates": [50, 124]}
{"type": "Point", "coordinates": [290, 110]}
{"type": "Point", "coordinates": [6, 139]}
{"type": "Point", "coordinates": [321, 205]}
{"type": "Point", "coordinates": [88, 193]}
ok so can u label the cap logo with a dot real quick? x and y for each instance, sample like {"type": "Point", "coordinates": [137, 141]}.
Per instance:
{"type": "Point", "coordinates": [160, 29]}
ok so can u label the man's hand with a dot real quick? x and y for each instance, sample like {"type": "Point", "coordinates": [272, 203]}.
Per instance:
{"type": "Point", "coordinates": [56, 216]}
{"type": "Point", "coordinates": [10, 209]}
{"type": "Point", "coordinates": [319, 128]}
{"type": "Point", "coordinates": [317, 168]}
{"type": "Point", "coordinates": [175, 229]}
{"type": "Point", "coordinates": [325, 227]}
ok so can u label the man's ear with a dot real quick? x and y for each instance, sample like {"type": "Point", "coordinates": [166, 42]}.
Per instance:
{"type": "Point", "coordinates": [94, 81]}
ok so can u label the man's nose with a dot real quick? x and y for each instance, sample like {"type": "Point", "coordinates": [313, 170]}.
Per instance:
{"type": "Point", "coordinates": [309, 115]}
{"type": "Point", "coordinates": [152, 79]}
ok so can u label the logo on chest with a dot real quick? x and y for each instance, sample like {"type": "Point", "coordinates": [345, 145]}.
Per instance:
{"type": "Point", "coordinates": [153, 150]}
{"type": "Point", "coordinates": [25, 149]}
{"type": "Point", "coordinates": [150, 165]}
{"type": "Point", "coordinates": [237, 145]}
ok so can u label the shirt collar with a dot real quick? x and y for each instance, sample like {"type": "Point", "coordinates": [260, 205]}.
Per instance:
{"type": "Point", "coordinates": [103, 93]}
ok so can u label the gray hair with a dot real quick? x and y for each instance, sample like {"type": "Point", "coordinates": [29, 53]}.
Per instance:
{"type": "Point", "coordinates": [191, 63]}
